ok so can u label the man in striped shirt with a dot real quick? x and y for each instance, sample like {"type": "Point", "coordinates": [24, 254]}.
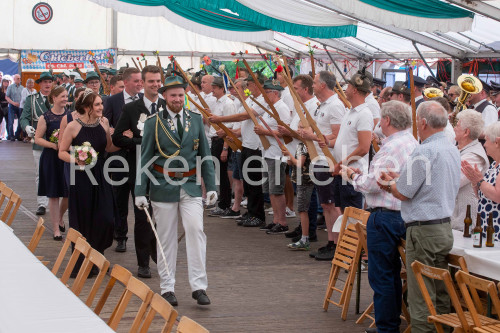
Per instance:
{"type": "Point", "coordinates": [385, 226]}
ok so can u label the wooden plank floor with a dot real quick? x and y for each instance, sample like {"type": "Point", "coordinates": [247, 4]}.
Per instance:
{"type": "Point", "coordinates": [255, 283]}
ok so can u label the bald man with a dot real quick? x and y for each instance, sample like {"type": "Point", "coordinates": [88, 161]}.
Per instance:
{"type": "Point", "coordinates": [13, 96]}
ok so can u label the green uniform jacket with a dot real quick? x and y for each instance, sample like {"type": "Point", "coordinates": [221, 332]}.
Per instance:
{"type": "Point", "coordinates": [194, 143]}
{"type": "Point", "coordinates": [34, 105]}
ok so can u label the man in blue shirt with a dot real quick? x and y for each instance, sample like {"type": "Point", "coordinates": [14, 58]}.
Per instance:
{"type": "Point", "coordinates": [427, 187]}
{"type": "Point", "coordinates": [13, 96]}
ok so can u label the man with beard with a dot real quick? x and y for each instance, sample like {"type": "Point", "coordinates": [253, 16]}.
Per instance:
{"type": "Point", "coordinates": [172, 142]}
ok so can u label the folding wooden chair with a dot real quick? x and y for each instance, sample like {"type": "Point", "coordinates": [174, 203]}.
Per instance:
{"type": "Point", "coordinates": [11, 208]}
{"type": "Point", "coordinates": [347, 255]}
{"type": "Point", "coordinates": [164, 309]}
{"type": "Point", "coordinates": [134, 287]}
{"type": "Point", "coordinates": [118, 273]}
{"type": "Point", "coordinates": [37, 235]}
{"type": "Point", "coordinates": [187, 325]}
{"type": "Point", "coordinates": [469, 283]}
{"type": "Point", "coordinates": [94, 258]}
{"type": "Point", "coordinates": [71, 237]}
{"type": "Point", "coordinates": [460, 320]}
{"type": "Point", "coordinates": [5, 192]}
{"type": "Point", "coordinates": [81, 248]}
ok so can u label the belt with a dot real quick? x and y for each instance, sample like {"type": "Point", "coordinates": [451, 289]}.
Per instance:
{"type": "Point", "coordinates": [382, 209]}
{"type": "Point", "coordinates": [430, 222]}
{"type": "Point", "coordinates": [214, 138]}
{"type": "Point", "coordinates": [174, 174]}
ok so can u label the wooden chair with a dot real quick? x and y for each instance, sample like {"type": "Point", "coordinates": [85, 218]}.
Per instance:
{"type": "Point", "coordinates": [187, 325]}
{"type": "Point", "coordinates": [11, 208]}
{"type": "Point", "coordinates": [134, 287]}
{"type": "Point", "coordinates": [81, 248]}
{"type": "Point", "coordinates": [5, 192]}
{"type": "Point", "coordinates": [468, 283]}
{"type": "Point", "coordinates": [459, 321]}
{"type": "Point", "coordinates": [118, 273]}
{"type": "Point", "coordinates": [71, 237]}
{"type": "Point", "coordinates": [37, 235]}
{"type": "Point", "coordinates": [94, 258]}
{"type": "Point", "coordinates": [164, 309]}
{"type": "Point", "coordinates": [347, 255]}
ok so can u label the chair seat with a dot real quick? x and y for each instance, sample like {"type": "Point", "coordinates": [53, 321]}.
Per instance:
{"type": "Point", "coordinates": [488, 329]}
{"type": "Point", "coordinates": [451, 319]}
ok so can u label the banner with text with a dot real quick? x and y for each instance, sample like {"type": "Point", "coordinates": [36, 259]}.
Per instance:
{"type": "Point", "coordinates": [40, 60]}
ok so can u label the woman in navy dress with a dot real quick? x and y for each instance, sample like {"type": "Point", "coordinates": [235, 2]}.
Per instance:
{"type": "Point", "coordinates": [91, 204]}
{"type": "Point", "coordinates": [51, 168]}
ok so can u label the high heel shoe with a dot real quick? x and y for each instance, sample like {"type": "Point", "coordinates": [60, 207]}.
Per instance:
{"type": "Point", "coordinates": [63, 228]}
{"type": "Point", "coordinates": [58, 238]}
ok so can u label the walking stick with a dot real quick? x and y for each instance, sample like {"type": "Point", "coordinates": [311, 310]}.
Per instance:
{"type": "Point", "coordinates": [157, 239]}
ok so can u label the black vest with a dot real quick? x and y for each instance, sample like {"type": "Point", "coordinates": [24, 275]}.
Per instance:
{"type": "Point", "coordinates": [480, 108]}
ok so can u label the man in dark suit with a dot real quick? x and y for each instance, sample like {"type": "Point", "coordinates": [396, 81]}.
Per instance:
{"type": "Point", "coordinates": [132, 118]}
{"type": "Point", "coordinates": [113, 107]}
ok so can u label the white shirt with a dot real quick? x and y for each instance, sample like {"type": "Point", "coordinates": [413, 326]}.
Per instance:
{"type": "Point", "coordinates": [490, 114]}
{"type": "Point", "coordinates": [286, 97]}
{"type": "Point", "coordinates": [210, 99]}
{"type": "Point", "coordinates": [223, 106]}
{"type": "Point", "coordinates": [148, 104]}
{"type": "Point", "coordinates": [274, 151]}
{"type": "Point", "coordinates": [25, 93]}
{"type": "Point", "coordinates": [330, 112]}
{"type": "Point", "coordinates": [358, 119]}
{"type": "Point", "coordinates": [311, 106]}
{"type": "Point", "coordinates": [249, 139]}
{"type": "Point", "coordinates": [129, 98]}
{"type": "Point", "coordinates": [450, 133]}
{"type": "Point", "coordinates": [372, 104]}
{"type": "Point", "coordinates": [173, 115]}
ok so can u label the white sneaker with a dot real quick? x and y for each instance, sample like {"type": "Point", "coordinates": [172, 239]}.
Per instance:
{"type": "Point", "coordinates": [270, 212]}
{"type": "Point", "coordinates": [290, 213]}
{"type": "Point", "coordinates": [244, 203]}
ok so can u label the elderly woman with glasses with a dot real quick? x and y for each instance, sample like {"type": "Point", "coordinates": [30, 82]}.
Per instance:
{"type": "Point", "coordinates": [469, 127]}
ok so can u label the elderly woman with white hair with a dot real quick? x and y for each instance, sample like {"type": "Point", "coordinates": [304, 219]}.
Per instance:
{"type": "Point", "coordinates": [485, 186]}
{"type": "Point", "coordinates": [469, 127]}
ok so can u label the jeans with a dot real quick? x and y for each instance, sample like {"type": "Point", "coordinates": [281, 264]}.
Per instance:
{"type": "Point", "coordinates": [384, 229]}
{"type": "Point", "coordinates": [14, 112]}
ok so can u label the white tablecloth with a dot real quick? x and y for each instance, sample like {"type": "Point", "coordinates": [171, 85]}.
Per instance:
{"type": "Point", "coordinates": [484, 261]}
{"type": "Point", "coordinates": [32, 299]}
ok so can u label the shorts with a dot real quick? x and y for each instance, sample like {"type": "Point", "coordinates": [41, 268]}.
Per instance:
{"type": "Point", "coordinates": [237, 166]}
{"type": "Point", "coordinates": [346, 195]}
{"type": "Point", "coordinates": [304, 193]}
{"type": "Point", "coordinates": [326, 193]}
{"type": "Point", "coordinates": [274, 182]}
{"type": "Point", "coordinates": [230, 161]}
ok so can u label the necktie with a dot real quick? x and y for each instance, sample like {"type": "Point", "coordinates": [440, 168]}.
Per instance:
{"type": "Point", "coordinates": [47, 104]}
{"type": "Point", "coordinates": [179, 125]}
{"type": "Point", "coordinates": [153, 108]}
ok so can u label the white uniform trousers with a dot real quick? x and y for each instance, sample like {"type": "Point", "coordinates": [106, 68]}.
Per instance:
{"type": "Point", "coordinates": [41, 200]}
{"type": "Point", "coordinates": [190, 211]}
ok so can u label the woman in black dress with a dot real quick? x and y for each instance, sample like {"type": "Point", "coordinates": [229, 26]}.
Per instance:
{"type": "Point", "coordinates": [51, 182]}
{"type": "Point", "coordinates": [4, 105]}
{"type": "Point", "coordinates": [91, 204]}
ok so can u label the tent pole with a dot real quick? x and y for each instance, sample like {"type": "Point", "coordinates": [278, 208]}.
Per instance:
{"type": "Point", "coordinates": [265, 60]}
{"type": "Point", "coordinates": [423, 59]}
{"type": "Point", "coordinates": [334, 63]}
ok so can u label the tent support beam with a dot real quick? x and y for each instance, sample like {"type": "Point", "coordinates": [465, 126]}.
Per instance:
{"type": "Point", "coordinates": [456, 70]}
{"type": "Point", "coordinates": [479, 7]}
{"type": "Point", "coordinates": [340, 47]}
{"type": "Point", "coordinates": [423, 59]}
{"type": "Point", "coordinates": [380, 50]}
{"type": "Point", "coordinates": [407, 34]}
{"type": "Point", "coordinates": [334, 63]}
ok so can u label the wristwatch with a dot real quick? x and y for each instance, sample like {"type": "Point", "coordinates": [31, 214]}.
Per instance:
{"type": "Point", "coordinates": [479, 183]}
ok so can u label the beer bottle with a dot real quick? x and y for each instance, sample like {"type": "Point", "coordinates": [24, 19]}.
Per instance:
{"type": "Point", "coordinates": [477, 233]}
{"type": "Point", "coordinates": [490, 231]}
{"type": "Point", "coordinates": [467, 223]}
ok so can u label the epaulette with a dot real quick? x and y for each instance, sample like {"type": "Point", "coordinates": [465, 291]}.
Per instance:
{"type": "Point", "coordinates": [151, 116]}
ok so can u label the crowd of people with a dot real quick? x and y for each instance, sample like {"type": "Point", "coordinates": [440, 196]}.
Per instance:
{"type": "Point", "coordinates": [415, 176]}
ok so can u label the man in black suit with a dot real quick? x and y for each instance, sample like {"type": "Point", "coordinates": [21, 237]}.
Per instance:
{"type": "Point", "coordinates": [113, 107]}
{"type": "Point", "coordinates": [132, 118]}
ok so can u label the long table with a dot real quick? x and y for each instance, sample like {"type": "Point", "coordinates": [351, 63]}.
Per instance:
{"type": "Point", "coordinates": [32, 299]}
{"type": "Point", "coordinates": [483, 261]}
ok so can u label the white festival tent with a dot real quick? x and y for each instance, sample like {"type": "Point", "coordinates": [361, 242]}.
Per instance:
{"type": "Point", "coordinates": [381, 40]}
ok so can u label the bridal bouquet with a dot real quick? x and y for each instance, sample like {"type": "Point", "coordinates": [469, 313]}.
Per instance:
{"type": "Point", "coordinates": [54, 137]}
{"type": "Point", "coordinates": [85, 153]}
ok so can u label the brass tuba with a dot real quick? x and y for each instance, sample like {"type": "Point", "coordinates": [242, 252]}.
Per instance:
{"type": "Point", "coordinates": [470, 85]}
{"type": "Point", "coordinates": [432, 92]}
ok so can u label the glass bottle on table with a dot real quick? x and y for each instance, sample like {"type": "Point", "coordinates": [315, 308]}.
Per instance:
{"type": "Point", "coordinates": [490, 231]}
{"type": "Point", "coordinates": [467, 223]}
{"type": "Point", "coordinates": [477, 233]}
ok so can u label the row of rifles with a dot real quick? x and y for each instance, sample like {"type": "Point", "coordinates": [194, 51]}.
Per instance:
{"type": "Point", "coordinates": [477, 232]}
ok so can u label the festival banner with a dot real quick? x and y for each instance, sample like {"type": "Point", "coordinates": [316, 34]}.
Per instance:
{"type": "Point", "coordinates": [40, 60]}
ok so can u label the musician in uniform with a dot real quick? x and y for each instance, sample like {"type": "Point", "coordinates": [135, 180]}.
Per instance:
{"type": "Point", "coordinates": [173, 140]}
{"type": "Point", "coordinates": [34, 106]}
{"type": "Point", "coordinates": [480, 103]}
{"type": "Point", "coordinates": [495, 94]}
{"type": "Point", "coordinates": [418, 88]}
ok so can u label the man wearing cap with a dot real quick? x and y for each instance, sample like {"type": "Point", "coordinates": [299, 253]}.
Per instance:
{"type": "Point", "coordinates": [71, 87]}
{"type": "Point", "coordinates": [400, 92]}
{"type": "Point", "coordinates": [495, 94]}
{"type": "Point", "coordinates": [34, 106]}
{"type": "Point", "coordinates": [377, 86]}
{"type": "Point", "coordinates": [78, 82]}
{"type": "Point", "coordinates": [93, 82]}
{"type": "Point", "coordinates": [172, 143]}
{"type": "Point", "coordinates": [418, 88]}
{"type": "Point", "coordinates": [480, 103]}
{"type": "Point", "coordinates": [223, 106]}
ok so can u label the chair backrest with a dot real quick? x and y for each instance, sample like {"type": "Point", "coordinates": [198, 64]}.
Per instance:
{"type": "Point", "coordinates": [81, 248]}
{"type": "Point", "coordinates": [457, 261]}
{"type": "Point", "coordinates": [467, 282]}
{"type": "Point", "coordinates": [187, 325]}
{"type": "Point", "coordinates": [164, 309]}
{"type": "Point", "coordinates": [357, 214]}
{"type": "Point", "coordinates": [97, 259]}
{"type": "Point", "coordinates": [134, 287]}
{"type": "Point", "coordinates": [35, 239]}
{"type": "Point", "coordinates": [361, 230]}
{"type": "Point", "coordinates": [71, 237]}
{"type": "Point", "coordinates": [118, 273]}
{"type": "Point", "coordinates": [6, 192]}
{"type": "Point", "coordinates": [444, 275]}
{"type": "Point", "coordinates": [11, 208]}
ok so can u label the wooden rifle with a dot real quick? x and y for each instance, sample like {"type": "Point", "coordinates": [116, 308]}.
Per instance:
{"type": "Point", "coordinates": [105, 86]}
{"type": "Point", "coordinates": [83, 76]}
